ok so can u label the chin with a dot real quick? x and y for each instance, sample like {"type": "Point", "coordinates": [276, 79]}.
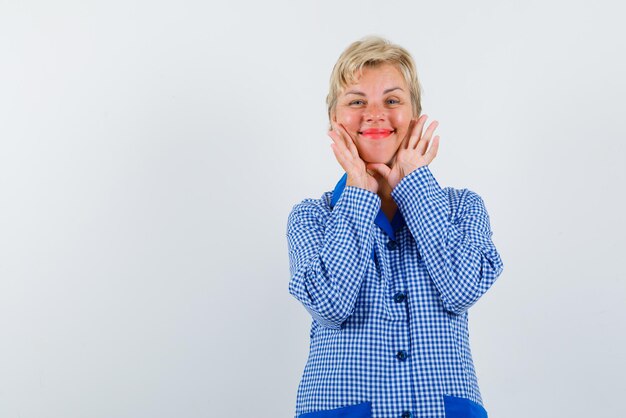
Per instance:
{"type": "Point", "coordinates": [377, 160]}
{"type": "Point", "coordinates": [380, 155]}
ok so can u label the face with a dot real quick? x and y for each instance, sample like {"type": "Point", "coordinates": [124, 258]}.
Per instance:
{"type": "Point", "coordinates": [376, 111]}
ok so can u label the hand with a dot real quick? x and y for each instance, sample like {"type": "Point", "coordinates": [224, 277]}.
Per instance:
{"type": "Point", "coordinates": [347, 156]}
{"type": "Point", "coordinates": [412, 153]}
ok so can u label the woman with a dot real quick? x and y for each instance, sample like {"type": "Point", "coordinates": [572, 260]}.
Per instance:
{"type": "Point", "coordinates": [388, 263]}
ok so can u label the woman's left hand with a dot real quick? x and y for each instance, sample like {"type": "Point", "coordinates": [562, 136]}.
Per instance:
{"type": "Point", "coordinates": [412, 153]}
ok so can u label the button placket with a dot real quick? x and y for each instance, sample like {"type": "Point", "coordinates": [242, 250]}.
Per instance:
{"type": "Point", "coordinates": [401, 355]}
{"type": "Point", "coordinates": [399, 297]}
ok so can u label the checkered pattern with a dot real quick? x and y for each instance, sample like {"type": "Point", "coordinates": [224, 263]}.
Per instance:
{"type": "Point", "coordinates": [388, 300]}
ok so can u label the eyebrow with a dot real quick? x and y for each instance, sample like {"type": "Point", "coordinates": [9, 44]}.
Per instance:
{"type": "Point", "coordinates": [360, 93]}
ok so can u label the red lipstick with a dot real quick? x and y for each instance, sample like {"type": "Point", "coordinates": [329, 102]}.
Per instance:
{"type": "Point", "coordinates": [377, 133]}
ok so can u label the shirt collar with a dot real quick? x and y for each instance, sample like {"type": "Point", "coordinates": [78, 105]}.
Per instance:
{"type": "Point", "coordinates": [381, 219]}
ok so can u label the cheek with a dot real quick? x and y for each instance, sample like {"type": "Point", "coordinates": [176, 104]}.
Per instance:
{"type": "Point", "coordinates": [349, 119]}
{"type": "Point", "coordinates": [401, 121]}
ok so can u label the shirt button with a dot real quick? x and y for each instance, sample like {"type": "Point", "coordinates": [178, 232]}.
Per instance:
{"type": "Point", "coordinates": [401, 355]}
{"type": "Point", "coordinates": [406, 414]}
{"type": "Point", "coordinates": [392, 245]}
{"type": "Point", "coordinates": [399, 297]}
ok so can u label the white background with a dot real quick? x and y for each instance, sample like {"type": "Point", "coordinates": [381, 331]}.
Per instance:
{"type": "Point", "coordinates": [151, 151]}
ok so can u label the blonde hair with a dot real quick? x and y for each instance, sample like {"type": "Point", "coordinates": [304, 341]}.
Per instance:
{"type": "Point", "coordinates": [370, 52]}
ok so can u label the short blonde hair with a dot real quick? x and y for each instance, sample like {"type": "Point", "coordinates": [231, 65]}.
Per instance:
{"type": "Point", "coordinates": [370, 52]}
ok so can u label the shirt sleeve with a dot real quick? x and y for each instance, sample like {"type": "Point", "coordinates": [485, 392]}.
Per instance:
{"type": "Point", "coordinates": [453, 236]}
{"type": "Point", "coordinates": [328, 253]}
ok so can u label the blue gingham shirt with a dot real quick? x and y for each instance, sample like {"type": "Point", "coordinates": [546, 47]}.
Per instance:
{"type": "Point", "coordinates": [389, 300]}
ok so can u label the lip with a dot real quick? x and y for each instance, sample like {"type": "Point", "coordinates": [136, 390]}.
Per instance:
{"type": "Point", "coordinates": [377, 133]}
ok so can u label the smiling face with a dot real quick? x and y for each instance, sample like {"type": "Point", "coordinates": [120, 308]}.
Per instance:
{"type": "Point", "coordinates": [376, 111]}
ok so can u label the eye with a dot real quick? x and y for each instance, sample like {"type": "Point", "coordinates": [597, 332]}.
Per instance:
{"type": "Point", "coordinates": [357, 102]}
{"type": "Point", "coordinates": [393, 101]}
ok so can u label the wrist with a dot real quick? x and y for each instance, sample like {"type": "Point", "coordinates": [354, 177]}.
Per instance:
{"type": "Point", "coordinates": [360, 183]}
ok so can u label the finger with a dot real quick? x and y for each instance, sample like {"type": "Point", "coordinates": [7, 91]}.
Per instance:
{"type": "Point", "coordinates": [432, 150]}
{"type": "Point", "coordinates": [425, 140]}
{"type": "Point", "coordinates": [351, 164]}
{"type": "Point", "coordinates": [336, 131]}
{"type": "Point", "coordinates": [409, 132]}
{"type": "Point", "coordinates": [340, 143]}
{"type": "Point", "coordinates": [417, 131]}
{"type": "Point", "coordinates": [349, 141]}
{"type": "Point", "coordinates": [340, 157]}
{"type": "Point", "coordinates": [341, 151]}
{"type": "Point", "coordinates": [393, 160]}
{"type": "Point", "coordinates": [337, 155]}
{"type": "Point", "coordinates": [379, 168]}
{"type": "Point", "coordinates": [340, 138]}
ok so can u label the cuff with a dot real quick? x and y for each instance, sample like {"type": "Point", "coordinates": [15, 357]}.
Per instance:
{"type": "Point", "coordinates": [419, 179]}
{"type": "Point", "coordinates": [355, 202]}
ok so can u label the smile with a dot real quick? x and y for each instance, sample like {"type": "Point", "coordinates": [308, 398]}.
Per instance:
{"type": "Point", "coordinates": [377, 133]}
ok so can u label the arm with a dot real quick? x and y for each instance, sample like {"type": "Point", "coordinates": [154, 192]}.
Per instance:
{"type": "Point", "coordinates": [452, 235]}
{"type": "Point", "coordinates": [328, 254]}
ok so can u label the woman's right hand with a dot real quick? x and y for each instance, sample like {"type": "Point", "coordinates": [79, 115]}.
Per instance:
{"type": "Point", "coordinates": [347, 156]}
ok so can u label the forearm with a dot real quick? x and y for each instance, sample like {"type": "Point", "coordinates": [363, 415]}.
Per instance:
{"type": "Point", "coordinates": [328, 259]}
{"type": "Point", "coordinates": [453, 236]}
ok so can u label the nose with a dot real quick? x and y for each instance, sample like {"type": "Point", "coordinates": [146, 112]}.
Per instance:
{"type": "Point", "coordinates": [374, 113]}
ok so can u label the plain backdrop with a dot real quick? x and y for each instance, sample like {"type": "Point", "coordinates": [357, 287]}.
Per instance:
{"type": "Point", "coordinates": [151, 151]}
